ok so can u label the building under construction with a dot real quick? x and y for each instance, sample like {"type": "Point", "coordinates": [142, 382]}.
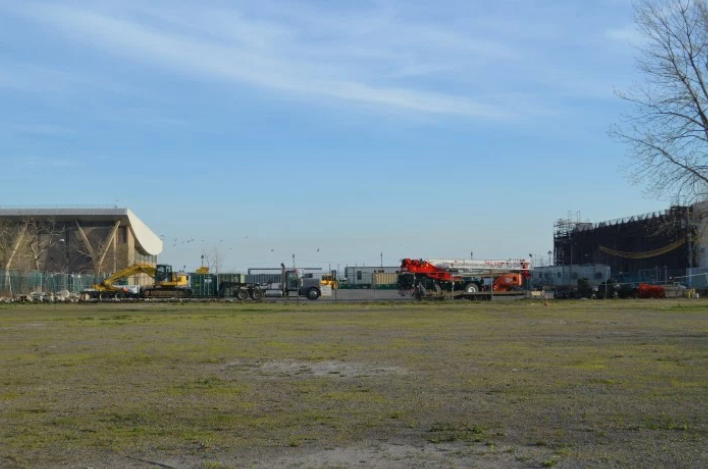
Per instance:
{"type": "Point", "coordinates": [655, 246]}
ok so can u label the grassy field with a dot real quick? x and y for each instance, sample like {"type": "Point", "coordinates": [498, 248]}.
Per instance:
{"type": "Point", "coordinates": [313, 385]}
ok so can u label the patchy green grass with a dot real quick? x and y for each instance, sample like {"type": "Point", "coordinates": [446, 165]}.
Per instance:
{"type": "Point", "coordinates": [583, 383]}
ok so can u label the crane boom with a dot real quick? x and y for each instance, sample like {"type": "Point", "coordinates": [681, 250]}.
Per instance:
{"type": "Point", "coordinates": [107, 283]}
{"type": "Point", "coordinates": [481, 265]}
{"type": "Point", "coordinates": [447, 268]}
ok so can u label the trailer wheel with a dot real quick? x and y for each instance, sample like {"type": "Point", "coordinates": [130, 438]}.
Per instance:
{"type": "Point", "coordinates": [313, 293]}
{"type": "Point", "coordinates": [417, 295]}
{"type": "Point", "coordinates": [241, 294]}
{"type": "Point", "coordinates": [256, 294]}
{"type": "Point", "coordinates": [471, 288]}
{"type": "Point", "coordinates": [119, 295]}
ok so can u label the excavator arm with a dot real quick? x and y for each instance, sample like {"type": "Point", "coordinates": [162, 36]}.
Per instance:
{"type": "Point", "coordinates": [107, 283]}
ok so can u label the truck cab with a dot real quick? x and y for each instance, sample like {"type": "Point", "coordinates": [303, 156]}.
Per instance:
{"type": "Point", "coordinates": [302, 285]}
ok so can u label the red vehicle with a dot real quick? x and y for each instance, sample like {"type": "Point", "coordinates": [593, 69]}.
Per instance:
{"type": "Point", "coordinates": [645, 290]}
{"type": "Point", "coordinates": [461, 278]}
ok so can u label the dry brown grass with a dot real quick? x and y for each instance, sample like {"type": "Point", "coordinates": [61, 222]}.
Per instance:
{"type": "Point", "coordinates": [512, 384]}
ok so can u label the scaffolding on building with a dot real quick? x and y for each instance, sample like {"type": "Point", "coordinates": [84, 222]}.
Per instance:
{"type": "Point", "coordinates": [641, 247]}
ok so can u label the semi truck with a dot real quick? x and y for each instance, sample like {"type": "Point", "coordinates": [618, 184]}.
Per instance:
{"type": "Point", "coordinates": [462, 278]}
{"type": "Point", "coordinates": [289, 283]}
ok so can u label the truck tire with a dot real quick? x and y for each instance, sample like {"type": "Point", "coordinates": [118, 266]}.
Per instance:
{"type": "Point", "coordinates": [256, 294]}
{"type": "Point", "coordinates": [313, 293]}
{"type": "Point", "coordinates": [471, 288]}
{"type": "Point", "coordinates": [119, 295]}
{"type": "Point", "coordinates": [241, 294]}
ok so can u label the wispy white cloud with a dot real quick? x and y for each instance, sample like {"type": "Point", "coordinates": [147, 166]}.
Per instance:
{"type": "Point", "coordinates": [19, 76]}
{"type": "Point", "coordinates": [56, 82]}
{"type": "Point", "coordinates": [406, 58]}
{"type": "Point", "coordinates": [361, 61]}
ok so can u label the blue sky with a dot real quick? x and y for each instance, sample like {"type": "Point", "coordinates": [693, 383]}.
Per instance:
{"type": "Point", "coordinates": [335, 131]}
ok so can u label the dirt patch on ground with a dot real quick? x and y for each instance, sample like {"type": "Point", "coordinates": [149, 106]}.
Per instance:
{"type": "Point", "coordinates": [368, 455]}
{"type": "Point", "coordinates": [398, 455]}
{"type": "Point", "coordinates": [291, 368]}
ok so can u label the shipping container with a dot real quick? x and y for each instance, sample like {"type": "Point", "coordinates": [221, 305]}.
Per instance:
{"type": "Point", "coordinates": [362, 277]}
{"type": "Point", "coordinates": [384, 278]}
{"type": "Point", "coordinates": [204, 285]}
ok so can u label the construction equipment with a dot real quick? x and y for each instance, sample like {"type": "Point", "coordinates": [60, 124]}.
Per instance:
{"type": "Point", "coordinates": [166, 284]}
{"type": "Point", "coordinates": [462, 278]}
{"type": "Point", "coordinates": [329, 280]}
{"type": "Point", "coordinates": [651, 291]}
{"type": "Point", "coordinates": [289, 281]}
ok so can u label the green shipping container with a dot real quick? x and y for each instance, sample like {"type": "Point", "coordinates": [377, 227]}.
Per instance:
{"type": "Point", "coordinates": [203, 285]}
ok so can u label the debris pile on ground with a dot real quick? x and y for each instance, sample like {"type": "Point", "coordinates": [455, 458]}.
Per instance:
{"type": "Point", "coordinates": [62, 296]}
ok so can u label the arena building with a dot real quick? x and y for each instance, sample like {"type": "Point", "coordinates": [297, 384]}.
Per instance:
{"type": "Point", "coordinates": [94, 241]}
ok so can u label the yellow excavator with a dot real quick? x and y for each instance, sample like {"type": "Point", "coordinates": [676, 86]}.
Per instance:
{"type": "Point", "coordinates": [329, 280]}
{"type": "Point", "coordinates": [167, 284]}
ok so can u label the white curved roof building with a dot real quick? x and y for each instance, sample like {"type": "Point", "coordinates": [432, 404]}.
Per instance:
{"type": "Point", "coordinates": [75, 240]}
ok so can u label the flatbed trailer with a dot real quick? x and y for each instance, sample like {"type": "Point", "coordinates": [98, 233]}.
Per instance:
{"type": "Point", "coordinates": [241, 291]}
{"type": "Point", "coordinates": [422, 294]}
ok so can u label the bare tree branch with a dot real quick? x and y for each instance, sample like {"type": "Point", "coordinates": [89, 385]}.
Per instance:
{"type": "Point", "coordinates": [214, 258]}
{"type": "Point", "coordinates": [667, 130]}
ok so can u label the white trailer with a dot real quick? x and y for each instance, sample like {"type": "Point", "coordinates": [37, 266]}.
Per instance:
{"type": "Point", "coordinates": [363, 276]}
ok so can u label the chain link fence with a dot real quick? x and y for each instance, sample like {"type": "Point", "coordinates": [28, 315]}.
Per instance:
{"type": "Point", "coordinates": [15, 283]}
